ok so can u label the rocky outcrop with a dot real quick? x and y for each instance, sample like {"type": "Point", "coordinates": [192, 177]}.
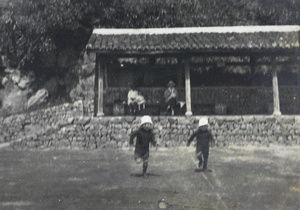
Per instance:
{"type": "Point", "coordinates": [16, 88]}
{"type": "Point", "coordinates": [85, 87]}
{"type": "Point", "coordinates": [17, 95]}
{"type": "Point", "coordinates": [13, 98]}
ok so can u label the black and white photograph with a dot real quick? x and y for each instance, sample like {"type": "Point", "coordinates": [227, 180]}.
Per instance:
{"type": "Point", "coordinates": [150, 104]}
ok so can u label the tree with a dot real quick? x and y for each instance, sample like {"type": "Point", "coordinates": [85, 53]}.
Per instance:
{"type": "Point", "coordinates": [30, 28]}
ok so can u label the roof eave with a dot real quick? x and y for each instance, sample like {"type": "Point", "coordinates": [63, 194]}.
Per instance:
{"type": "Point", "coordinates": [196, 52]}
{"type": "Point", "coordinates": [184, 30]}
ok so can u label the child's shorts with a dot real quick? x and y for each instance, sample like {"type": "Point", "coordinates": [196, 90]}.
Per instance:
{"type": "Point", "coordinates": [139, 158]}
{"type": "Point", "coordinates": [198, 154]}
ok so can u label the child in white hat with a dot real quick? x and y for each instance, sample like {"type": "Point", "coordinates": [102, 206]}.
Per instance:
{"type": "Point", "coordinates": [204, 137]}
{"type": "Point", "coordinates": [144, 136]}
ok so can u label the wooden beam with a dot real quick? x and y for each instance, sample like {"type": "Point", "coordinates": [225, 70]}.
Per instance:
{"type": "Point", "coordinates": [96, 86]}
{"type": "Point", "coordinates": [188, 100]}
{"type": "Point", "coordinates": [200, 52]}
{"type": "Point", "coordinates": [105, 79]}
{"type": "Point", "coordinates": [276, 101]}
{"type": "Point", "coordinates": [101, 67]}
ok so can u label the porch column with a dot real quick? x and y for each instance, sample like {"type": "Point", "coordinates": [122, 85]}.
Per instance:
{"type": "Point", "coordinates": [100, 65]}
{"type": "Point", "coordinates": [276, 102]}
{"type": "Point", "coordinates": [187, 87]}
{"type": "Point", "coordinates": [179, 72]}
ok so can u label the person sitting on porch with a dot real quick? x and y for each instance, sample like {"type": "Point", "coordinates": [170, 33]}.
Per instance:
{"type": "Point", "coordinates": [141, 102]}
{"type": "Point", "coordinates": [132, 100]}
{"type": "Point", "coordinates": [171, 95]}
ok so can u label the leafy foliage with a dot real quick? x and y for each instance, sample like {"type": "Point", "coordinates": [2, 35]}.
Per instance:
{"type": "Point", "coordinates": [180, 13]}
{"type": "Point", "coordinates": [30, 28]}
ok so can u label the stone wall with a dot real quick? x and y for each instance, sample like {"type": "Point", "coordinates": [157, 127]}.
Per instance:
{"type": "Point", "coordinates": [66, 127]}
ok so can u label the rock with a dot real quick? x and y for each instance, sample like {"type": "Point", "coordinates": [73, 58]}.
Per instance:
{"type": "Point", "coordinates": [20, 118]}
{"type": "Point", "coordinates": [84, 120]}
{"type": "Point", "coordinates": [129, 119]}
{"type": "Point", "coordinates": [111, 144]}
{"type": "Point", "coordinates": [89, 57]}
{"type": "Point", "coordinates": [24, 82]}
{"type": "Point", "coordinates": [34, 129]}
{"type": "Point", "coordinates": [15, 76]}
{"type": "Point", "coordinates": [120, 144]}
{"type": "Point", "coordinates": [64, 123]}
{"type": "Point", "coordinates": [281, 119]}
{"type": "Point", "coordinates": [38, 98]}
{"type": "Point", "coordinates": [126, 144]}
{"type": "Point", "coordinates": [4, 81]}
{"type": "Point", "coordinates": [88, 69]}
{"type": "Point", "coordinates": [117, 137]}
{"type": "Point", "coordinates": [50, 131]}
{"type": "Point", "coordinates": [13, 99]}
{"type": "Point", "coordinates": [172, 121]}
{"type": "Point", "coordinates": [70, 120]}
{"type": "Point", "coordinates": [78, 103]}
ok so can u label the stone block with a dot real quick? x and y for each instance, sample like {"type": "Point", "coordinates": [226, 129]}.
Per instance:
{"type": "Point", "coordinates": [84, 120]}
{"type": "Point", "coordinates": [125, 144]}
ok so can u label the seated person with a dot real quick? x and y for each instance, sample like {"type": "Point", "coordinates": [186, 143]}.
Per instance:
{"type": "Point", "coordinates": [141, 102]}
{"type": "Point", "coordinates": [171, 95]}
{"type": "Point", "coordinates": [132, 100]}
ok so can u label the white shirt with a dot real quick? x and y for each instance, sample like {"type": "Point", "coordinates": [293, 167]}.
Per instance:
{"type": "Point", "coordinates": [132, 96]}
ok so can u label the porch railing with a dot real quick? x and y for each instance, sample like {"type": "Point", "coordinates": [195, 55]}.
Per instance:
{"type": "Point", "coordinates": [235, 100]}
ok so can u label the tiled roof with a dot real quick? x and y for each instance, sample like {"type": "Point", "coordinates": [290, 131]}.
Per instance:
{"type": "Point", "coordinates": [198, 39]}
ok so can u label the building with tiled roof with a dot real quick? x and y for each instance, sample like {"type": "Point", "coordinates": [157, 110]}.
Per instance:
{"type": "Point", "coordinates": [256, 42]}
{"type": "Point", "coordinates": [194, 40]}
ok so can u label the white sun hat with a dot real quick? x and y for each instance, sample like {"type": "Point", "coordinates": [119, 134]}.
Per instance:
{"type": "Point", "coordinates": [203, 121]}
{"type": "Point", "coordinates": [146, 119]}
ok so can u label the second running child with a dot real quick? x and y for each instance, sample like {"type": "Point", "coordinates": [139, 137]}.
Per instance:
{"type": "Point", "coordinates": [204, 138]}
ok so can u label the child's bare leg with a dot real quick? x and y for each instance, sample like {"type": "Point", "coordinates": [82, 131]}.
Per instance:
{"type": "Point", "coordinates": [205, 164]}
{"type": "Point", "coordinates": [205, 156]}
{"type": "Point", "coordinates": [199, 157]}
{"type": "Point", "coordinates": [137, 159]}
{"type": "Point", "coordinates": [145, 166]}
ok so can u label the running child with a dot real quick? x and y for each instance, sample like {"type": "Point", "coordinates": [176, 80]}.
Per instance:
{"type": "Point", "coordinates": [144, 136]}
{"type": "Point", "coordinates": [204, 137]}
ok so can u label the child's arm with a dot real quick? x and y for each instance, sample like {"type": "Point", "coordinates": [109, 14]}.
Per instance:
{"type": "Point", "coordinates": [153, 142]}
{"type": "Point", "coordinates": [191, 139]}
{"type": "Point", "coordinates": [132, 136]}
{"type": "Point", "coordinates": [212, 140]}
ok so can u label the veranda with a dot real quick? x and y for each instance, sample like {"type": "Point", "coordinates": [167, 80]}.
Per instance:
{"type": "Point", "coordinates": [192, 58]}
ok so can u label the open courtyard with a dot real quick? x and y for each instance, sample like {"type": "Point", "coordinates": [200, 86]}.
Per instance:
{"type": "Point", "coordinates": [250, 177]}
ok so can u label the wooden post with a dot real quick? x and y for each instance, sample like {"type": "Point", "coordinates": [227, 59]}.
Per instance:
{"type": "Point", "coordinates": [100, 68]}
{"type": "Point", "coordinates": [276, 101]}
{"type": "Point", "coordinates": [179, 71]}
{"type": "Point", "coordinates": [105, 83]}
{"type": "Point", "coordinates": [187, 87]}
{"type": "Point", "coordinates": [96, 86]}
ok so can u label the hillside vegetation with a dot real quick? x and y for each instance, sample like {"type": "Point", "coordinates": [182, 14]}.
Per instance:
{"type": "Point", "coordinates": [42, 42]}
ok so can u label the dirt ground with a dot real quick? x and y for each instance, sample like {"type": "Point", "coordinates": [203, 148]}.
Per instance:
{"type": "Point", "coordinates": [239, 178]}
